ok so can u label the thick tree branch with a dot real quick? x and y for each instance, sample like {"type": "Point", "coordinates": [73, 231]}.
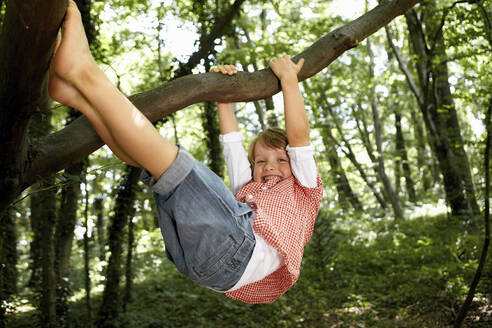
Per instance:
{"type": "Point", "coordinates": [78, 140]}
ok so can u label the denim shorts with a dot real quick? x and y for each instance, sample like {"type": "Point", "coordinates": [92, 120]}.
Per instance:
{"type": "Point", "coordinates": [206, 231]}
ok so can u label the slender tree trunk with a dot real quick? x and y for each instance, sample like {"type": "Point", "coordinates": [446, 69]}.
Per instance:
{"type": "Point", "coordinates": [8, 262]}
{"type": "Point", "coordinates": [436, 124]}
{"type": "Point", "coordinates": [351, 155]}
{"type": "Point", "coordinates": [43, 219]}
{"type": "Point", "coordinates": [395, 203]}
{"type": "Point", "coordinates": [424, 160]}
{"type": "Point", "coordinates": [64, 232]}
{"type": "Point", "coordinates": [360, 121]}
{"type": "Point", "coordinates": [88, 304]}
{"type": "Point", "coordinates": [445, 103]}
{"type": "Point", "coordinates": [346, 195]}
{"type": "Point", "coordinates": [43, 279]}
{"type": "Point", "coordinates": [397, 172]}
{"type": "Point", "coordinates": [124, 209]}
{"type": "Point", "coordinates": [271, 117]}
{"type": "Point", "coordinates": [485, 248]}
{"type": "Point", "coordinates": [211, 130]}
{"type": "Point", "coordinates": [129, 268]}
{"type": "Point", "coordinates": [98, 209]}
{"type": "Point", "coordinates": [402, 154]}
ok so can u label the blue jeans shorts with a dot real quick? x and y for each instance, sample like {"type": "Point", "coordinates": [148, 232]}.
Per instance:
{"type": "Point", "coordinates": [206, 231]}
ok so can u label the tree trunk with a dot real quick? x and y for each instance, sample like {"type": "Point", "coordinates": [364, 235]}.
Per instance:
{"type": "Point", "coordinates": [402, 155]}
{"type": "Point", "coordinates": [87, 279]}
{"type": "Point", "coordinates": [123, 211]}
{"type": "Point", "coordinates": [210, 124]}
{"type": "Point", "coordinates": [43, 219]}
{"type": "Point", "coordinates": [424, 160]}
{"type": "Point", "coordinates": [445, 103]}
{"type": "Point", "coordinates": [98, 209]}
{"type": "Point", "coordinates": [64, 232]}
{"type": "Point", "coordinates": [351, 155]}
{"type": "Point", "coordinates": [129, 268]}
{"type": "Point", "coordinates": [435, 121]}
{"type": "Point", "coordinates": [395, 203]}
{"type": "Point", "coordinates": [211, 129]}
{"type": "Point", "coordinates": [43, 278]}
{"type": "Point", "coordinates": [346, 195]}
{"type": "Point", "coordinates": [27, 35]}
{"type": "Point", "coordinates": [360, 121]}
{"type": "Point", "coordinates": [8, 262]}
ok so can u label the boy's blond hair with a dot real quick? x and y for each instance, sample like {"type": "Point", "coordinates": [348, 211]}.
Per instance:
{"type": "Point", "coordinates": [271, 138]}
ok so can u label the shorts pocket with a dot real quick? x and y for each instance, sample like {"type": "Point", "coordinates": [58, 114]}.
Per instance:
{"type": "Point", "coordinates": [217, 259]}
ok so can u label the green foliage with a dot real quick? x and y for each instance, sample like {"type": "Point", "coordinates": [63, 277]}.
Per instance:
{"type": "Point", "coordinates": [359, 269]}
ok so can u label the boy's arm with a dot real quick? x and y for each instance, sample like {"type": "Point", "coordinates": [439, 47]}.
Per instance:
{"type": "Point", "coordinates": [296, 121]}
{"type": "Point", "coordinates": [227, 118]}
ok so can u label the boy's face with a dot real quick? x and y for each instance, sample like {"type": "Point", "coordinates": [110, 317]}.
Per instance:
{"type": "Point", "coordinates": [270, 162]}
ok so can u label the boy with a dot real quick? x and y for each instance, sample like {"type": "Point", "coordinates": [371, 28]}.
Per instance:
{"type": "Point", "coordinates": [278, 179]}
{"type": "Point", "coordinates": [207, 232]}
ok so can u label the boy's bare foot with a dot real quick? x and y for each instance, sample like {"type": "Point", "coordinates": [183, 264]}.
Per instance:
{"type": "Point", "coordinates": [73, 52]}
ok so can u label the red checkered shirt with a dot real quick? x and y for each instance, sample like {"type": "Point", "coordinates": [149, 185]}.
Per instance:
{"type": "Point", "coordinates": [285, 215]}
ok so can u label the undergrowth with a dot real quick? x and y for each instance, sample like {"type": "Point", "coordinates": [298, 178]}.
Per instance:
{"type": "Point", "coordinates": [356, 273]}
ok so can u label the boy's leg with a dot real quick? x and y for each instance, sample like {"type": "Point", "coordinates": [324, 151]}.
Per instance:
{"type": "Point", "coordinates": [65, 93]}
{"type": "Point", "coordinates": [129, 128]}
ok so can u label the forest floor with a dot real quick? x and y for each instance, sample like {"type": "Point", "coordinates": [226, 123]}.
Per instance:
{"type": "Point", "coordinates": [356, 273]}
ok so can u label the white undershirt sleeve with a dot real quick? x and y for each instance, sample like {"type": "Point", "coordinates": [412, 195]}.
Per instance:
{"type": "Point", "coordinates": [303, 165]}
{"type": "Point", "coordinates": [236, 160]}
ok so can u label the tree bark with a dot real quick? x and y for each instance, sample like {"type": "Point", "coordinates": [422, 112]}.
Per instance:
{"type": "Point", "coordinates": [88, 302]}
{"type": "Point", "coordinates": [436, 123]}
{"type": "Point", "coordinates": [424, 159]}
{"type": "Point", "coordinates": [43, 278]}
{"type": "Point", "coordinates": [445, 104]}
{"type": "Point", "coordinates": [351, 155]}
{"type": "Point", "coordinates": [20, 59]}
{"type": "Point", "coordinates": [124, 210]}
{"type": "Point", "coordinates": [98, 209]}
{"type": "Point", "coordinates": [64, 232]}
{"type": "Point", "coordinates": [8, 262]}
{"type": "Point", "coordinates": [27, 36]}
{"type": "Point", "coordinates": [345, 193]}
{"type": "Point", "coordinates": [395, 202]}
{"type": "Point", "coordinates": [129, 267]}
{"type": "Point", "coordinates": [402, 154]}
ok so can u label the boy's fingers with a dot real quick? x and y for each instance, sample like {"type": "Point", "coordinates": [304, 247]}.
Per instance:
{"type": "Point", "coordinates": [225, 69]}
{"type": "Point", "coordinates": [299, 64]}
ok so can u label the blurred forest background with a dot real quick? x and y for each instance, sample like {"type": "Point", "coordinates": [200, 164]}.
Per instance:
{"type": "Point", "coordinates": [399, 124]}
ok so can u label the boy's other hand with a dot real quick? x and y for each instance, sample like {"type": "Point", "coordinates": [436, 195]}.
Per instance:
{"type": "Point", "coordinates": [225, 69]}
{"type": "Point", "coordinates": [283, 67]}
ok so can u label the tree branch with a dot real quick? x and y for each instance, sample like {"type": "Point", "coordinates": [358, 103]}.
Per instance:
{"type": "Point", "coordinates": [78, 139]}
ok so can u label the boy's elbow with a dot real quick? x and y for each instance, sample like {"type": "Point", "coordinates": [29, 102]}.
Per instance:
{"type": "Point", "coordinates": [298, 139]}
